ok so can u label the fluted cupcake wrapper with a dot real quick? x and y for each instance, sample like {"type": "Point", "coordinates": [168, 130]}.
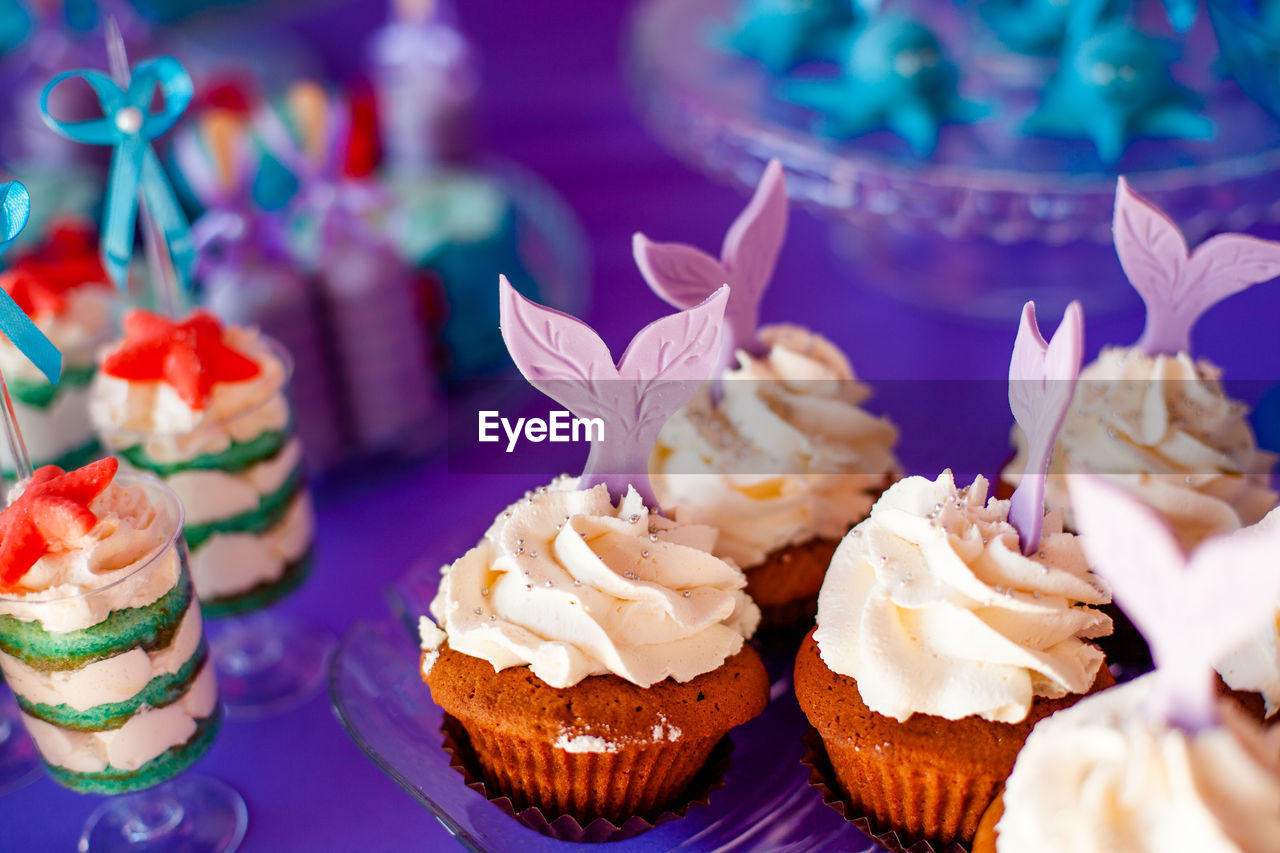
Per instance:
{"type": "Point", "coordinates": [651, 778]}
{"type": "Point", "coordinates": [890, 781]}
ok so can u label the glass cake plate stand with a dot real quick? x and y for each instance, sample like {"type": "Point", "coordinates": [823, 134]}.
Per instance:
{"type": "Point", "coordinates": [992, 218]}
{"type": "Point", "coordinates": [766, 804]}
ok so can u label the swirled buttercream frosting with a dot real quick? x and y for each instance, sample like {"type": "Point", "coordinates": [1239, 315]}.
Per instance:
{"type": "Point", "coordinates": [1098, 778]}
{"type": "Point", "coordinates": [1162, 427]}
{"type": "Point", "coordinates": [931, 606]}
{"type": "Point", "coordinates": [572, 585]}
{"type": "Point", "coordinates": [786, 456]}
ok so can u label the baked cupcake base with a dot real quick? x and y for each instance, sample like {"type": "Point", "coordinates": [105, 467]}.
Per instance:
{"type": "Point", "coordinates": [603, 748]}
{"type": "Point", "coordinates": [786, 585]}
{"type": "Point", "coordinates": [566, 827]}
{"type": "Point", "coordinates": [927, 777]}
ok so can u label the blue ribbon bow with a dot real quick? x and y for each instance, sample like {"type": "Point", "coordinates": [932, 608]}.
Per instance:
{"type": "Point", "coordinates": [128, 124]}
{"type": "Point", "coordinates": [15, 208]}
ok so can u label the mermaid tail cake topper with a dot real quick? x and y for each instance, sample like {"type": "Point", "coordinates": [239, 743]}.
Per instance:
{"type": "Point", "coordinates": [1192, 611]}
{"type": "Point", "coordinates": [663, 367]}
{"type": "Point", "coordinates": [1042, 381]}
{"type": "Point", "coordinates": [1178, 285]}
{"type": "Point", "coordinates": [685, 276]}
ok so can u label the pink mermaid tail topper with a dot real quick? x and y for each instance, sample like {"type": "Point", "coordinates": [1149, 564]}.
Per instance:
{"type": "Point", "coordinates": [1192, 611]}
{"type": "Point", "coordinates": [663, 367]}
{"type": "Point", "coordinates": [1042, 381]}
{"type": "Point", "coordinates": [685, 276]}
{"type": "Point", "coordinates": [1177, 285]}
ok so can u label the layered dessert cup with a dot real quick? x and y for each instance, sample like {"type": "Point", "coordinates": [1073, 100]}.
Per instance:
{"type": "Point", "coordinates": [203, 407]}
{"type": "Point", "coordinates": [61, 285]}
{"type": "Point", "coordinates": [233, 460]}
{"type": "Point", "coordinates": [101, 638]}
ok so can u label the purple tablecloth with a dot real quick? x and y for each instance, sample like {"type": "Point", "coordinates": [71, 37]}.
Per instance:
{"type": "Point", "coordinates": [554, 101]}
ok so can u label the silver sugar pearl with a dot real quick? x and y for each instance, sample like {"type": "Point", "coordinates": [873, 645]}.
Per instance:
{"type": "Point", "coordinates": [629, 575]}
{"type": "Point", "coordinates": [686, 593]}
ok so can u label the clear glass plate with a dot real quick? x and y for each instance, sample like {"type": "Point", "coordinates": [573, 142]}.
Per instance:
{"type": "Point", "coordinates": [765, 805]}
{"type": "Point", "coordinates": [993, 217]}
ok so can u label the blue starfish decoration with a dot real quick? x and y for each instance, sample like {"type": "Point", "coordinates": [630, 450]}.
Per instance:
{"type": "Point", "coordinates": [1112, 88]}
{"type": "Point", "coordinates": [780, 34]}
{"type": "Point", "coordinates": [894, 76]}
{"type": "Point", "coordinates": [1041, 27]}
{"type": "Point", "coordinates": [1182, 13]}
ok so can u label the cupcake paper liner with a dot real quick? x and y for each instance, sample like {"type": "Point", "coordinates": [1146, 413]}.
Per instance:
{"type": "Point", "coordinates": [822, 777]}
{"type": "Point", "coordinates": [565, 827]}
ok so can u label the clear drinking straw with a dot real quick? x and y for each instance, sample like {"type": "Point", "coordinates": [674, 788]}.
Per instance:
{"type": "Point", "coordinates": [13, 437]}
{"type": "Point", "coordinates": [165, 278]}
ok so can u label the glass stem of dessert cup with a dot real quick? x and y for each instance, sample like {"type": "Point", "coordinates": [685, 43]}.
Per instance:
{"type": "Point", "coordinates": [268, 664]}
{"type": "Point", "coordinates": [190, 813]}
{"type": "Point", "coordinates": [19, 763]}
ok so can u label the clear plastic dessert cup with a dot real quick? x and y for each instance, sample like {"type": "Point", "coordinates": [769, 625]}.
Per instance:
{"type": "Point", "coordinates": [115, 687]}
{"type": "Point", "coordinates": [250, 531]}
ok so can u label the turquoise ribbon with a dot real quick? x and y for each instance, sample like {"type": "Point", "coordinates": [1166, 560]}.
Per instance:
{"type": "Point", "coordinates": [128, 124]}
{"type": "Point", "coordinates": [15, 208]}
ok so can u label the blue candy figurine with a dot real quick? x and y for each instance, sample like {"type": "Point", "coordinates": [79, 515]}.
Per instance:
{"type": "Point", "coordinates": [896, 77]}
{"type": "Point", "coordinates": [780, 34]}
{"type": "Point", "coordinates": [1041, 27]}
{"type": "Point", "coordinates": [1114, 86]}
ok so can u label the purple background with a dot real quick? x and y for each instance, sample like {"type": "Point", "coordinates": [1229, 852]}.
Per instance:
{"type": "Point", "coordinates": [554, 101]}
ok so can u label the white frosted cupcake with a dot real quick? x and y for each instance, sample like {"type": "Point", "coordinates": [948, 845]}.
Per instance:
{"type": "Point", "coordinates": [1152, 417]}
{"type": "Point", "coordinates": [777, 453]}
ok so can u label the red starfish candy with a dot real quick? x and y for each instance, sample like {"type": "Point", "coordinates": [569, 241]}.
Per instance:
{"type": "Point", "coordinates": [189, 356]}
{"type": "Point", "coordinates": [41, 280]}
{"type": "Point", "coordinates": [51, 511]}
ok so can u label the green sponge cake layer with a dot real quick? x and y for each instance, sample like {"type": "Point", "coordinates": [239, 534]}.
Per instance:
{"type": "Point", "coordinates": [270, 512]}
{"type": "Point", "coordinates": [163, 767]}
{"type": "Point", "coordinates": [39, 394]}
{"type": "Point", "coordinates": [149, 627]}
{"type": "Point", "coordinates": [240, 456]}
{"type": "Point", "coordinates": [263, 594]}
{"type": "Point", "coordinates": [159, 691]}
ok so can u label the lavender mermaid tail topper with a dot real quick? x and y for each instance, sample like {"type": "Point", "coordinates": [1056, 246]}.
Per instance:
{"type": "Point", "coordinates": [685, 276]}
{"type": "Point", "coordinates": [1042, 381]}
{"type": "Point", "coordinates": [1193, 611]}
{"type": "Point", "coordinates": [663, 367]}
{"type": "Point", "coordinates": [1177, 285]}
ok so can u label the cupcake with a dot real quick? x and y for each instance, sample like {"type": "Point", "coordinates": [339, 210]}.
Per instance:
{"type": "Point", "coordinates": [62, 286]}
{"type": "Point", "coordinates": [948, 625]}
{"type": "Point", "coordinates": [1153, 418]}
{"type": "Point", "coordinates": [1161, 763]}
{"type": "Point", "coordinates": [777, 454]}
{"type": "Point", "coordinates": [593, 651]}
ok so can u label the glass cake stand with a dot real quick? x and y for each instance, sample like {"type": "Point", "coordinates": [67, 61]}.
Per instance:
{"type": "Point", "coordinates": [766, 804]}
{"type": "Point", "coordinates": [992, 218]}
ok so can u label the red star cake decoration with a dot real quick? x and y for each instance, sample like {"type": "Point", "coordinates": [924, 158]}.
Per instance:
{"type": "Point", "coordinates": [52, 511]}
{"type": "Point", "coordinates": [42, 279]}
{"type": "Point", "coordinates": [189, 356]}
